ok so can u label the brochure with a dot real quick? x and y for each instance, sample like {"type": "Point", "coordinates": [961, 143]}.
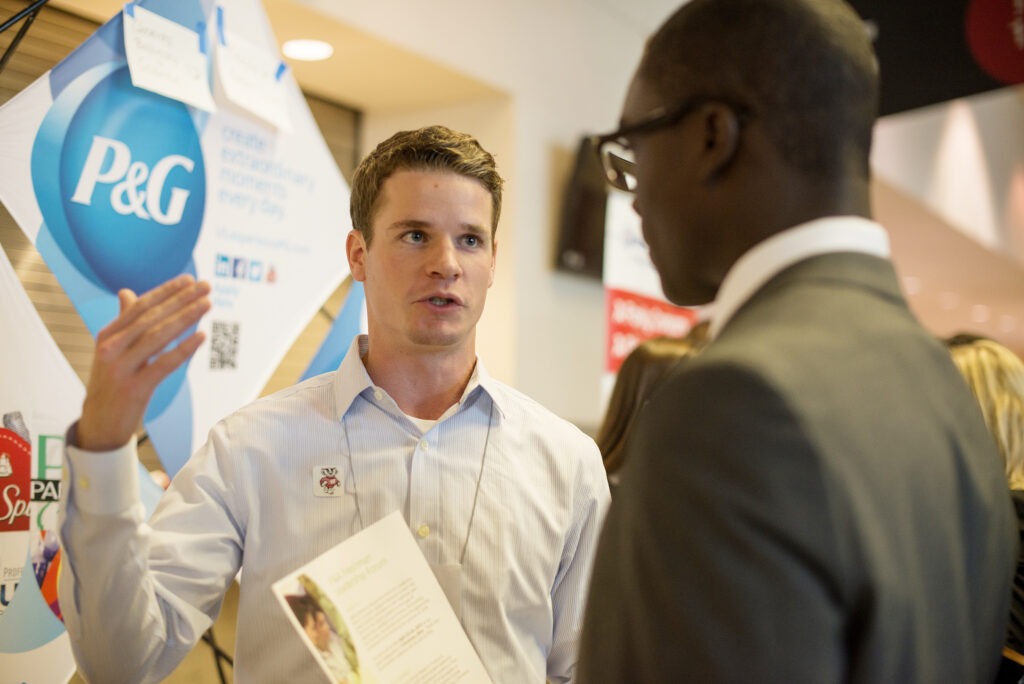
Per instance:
{"type": "Point", "coordinates": [371, 611]}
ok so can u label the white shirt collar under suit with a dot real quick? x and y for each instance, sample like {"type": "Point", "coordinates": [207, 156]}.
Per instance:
{"type": "Point", "coordinates": [770, 257]}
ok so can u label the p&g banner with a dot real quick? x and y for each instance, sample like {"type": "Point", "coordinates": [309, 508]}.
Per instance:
{"type": "Point", "coordinates": [122, 187]}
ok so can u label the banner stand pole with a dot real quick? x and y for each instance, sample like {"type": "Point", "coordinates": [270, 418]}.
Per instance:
{"type": "Point", "coordinates": [30, 12]}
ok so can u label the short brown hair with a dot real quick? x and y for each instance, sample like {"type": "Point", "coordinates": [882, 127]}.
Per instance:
{"type": "Point", "coordinates": [433, 148]}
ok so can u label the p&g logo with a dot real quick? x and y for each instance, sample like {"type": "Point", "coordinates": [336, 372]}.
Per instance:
{"type": "Point", "coordinates": [130, 192]}
{"type": "Point", "coordinates": [137, 189]}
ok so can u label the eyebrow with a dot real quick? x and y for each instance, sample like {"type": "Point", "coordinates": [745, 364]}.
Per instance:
{"type": "Point", "coordinates": [473, 228]}
{"type": "Point", "coordinates": [407, 224]}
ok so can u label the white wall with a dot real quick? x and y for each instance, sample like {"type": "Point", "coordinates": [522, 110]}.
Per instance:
{"type": "Point", "coordinates": [565, 66]}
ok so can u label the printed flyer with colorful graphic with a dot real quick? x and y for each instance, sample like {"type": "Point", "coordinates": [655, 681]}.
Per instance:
{"type": "Point", "coordinates": [39, 397]}
{"type": "Point", "coordinates": [371, 611]}
{"type": "Point", "coordinates": [124, 174]}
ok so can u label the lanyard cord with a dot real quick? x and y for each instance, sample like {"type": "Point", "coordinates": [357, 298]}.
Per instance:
{"type": "Point", "coordinates": [352, 472]}
{"type": "Point", "coordinates": [479, 477]}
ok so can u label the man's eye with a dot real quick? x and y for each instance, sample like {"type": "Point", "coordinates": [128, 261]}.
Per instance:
{"type": "Point", "coordinates": [471, 240]}
{"type": "Point", "coordinates": [414, 236]}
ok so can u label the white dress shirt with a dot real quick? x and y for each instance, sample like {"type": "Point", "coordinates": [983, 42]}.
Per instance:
{"type": "Point", "coordinates": [770, 257]}
{"type": "Point", "coordinates": [500, 486]}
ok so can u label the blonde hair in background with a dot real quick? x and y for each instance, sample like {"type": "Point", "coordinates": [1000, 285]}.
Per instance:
{"type": "Point", "coordinates": [996, 377]}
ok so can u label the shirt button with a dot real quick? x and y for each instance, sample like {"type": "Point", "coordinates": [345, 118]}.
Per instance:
{"type": "Point", "coordinates": [423, 531]}
{"type": "Point", "coordinates": [378, 395]}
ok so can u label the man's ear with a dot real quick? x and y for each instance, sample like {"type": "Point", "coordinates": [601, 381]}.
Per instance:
{"type": "Point", "coordinates": [355, 248]}
{"type": "Point", "coordinates": [721, 139]}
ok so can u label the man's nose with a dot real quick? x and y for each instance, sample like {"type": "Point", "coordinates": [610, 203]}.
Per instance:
{"type": "Point", "coordinates": [445, 260]}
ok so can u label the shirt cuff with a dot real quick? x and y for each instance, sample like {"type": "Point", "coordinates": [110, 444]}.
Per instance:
{"type": "Point", "coordinates": [103, 482]}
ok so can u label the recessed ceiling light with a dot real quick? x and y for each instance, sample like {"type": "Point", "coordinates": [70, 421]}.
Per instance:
{"type": "Point", "coordinates": [306, 50]}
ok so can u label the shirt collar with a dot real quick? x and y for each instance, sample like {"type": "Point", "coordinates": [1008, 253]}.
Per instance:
{"type": "Point", "coordinates": [769, 257]}
{"type": "Point", "coordinates": [351, 379]}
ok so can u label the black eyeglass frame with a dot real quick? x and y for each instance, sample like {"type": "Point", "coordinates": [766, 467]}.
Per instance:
{"type": "Point", "coordinates": [617, 169]}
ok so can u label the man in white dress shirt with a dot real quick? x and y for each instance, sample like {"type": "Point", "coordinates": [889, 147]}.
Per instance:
{"type": "Point", "coordinates": [504, 498]}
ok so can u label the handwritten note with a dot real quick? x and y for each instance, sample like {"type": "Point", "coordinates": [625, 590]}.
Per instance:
{"type": "Point", "coordinates": [164, 57]}
{"type": "Point", "coordinates": [251, 77]}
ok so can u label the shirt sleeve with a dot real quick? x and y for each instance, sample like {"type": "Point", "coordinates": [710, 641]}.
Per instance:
{"type": "Point", "coordinates": [137, 596]}
{"type": "Point", "coordinates": [591, 499]}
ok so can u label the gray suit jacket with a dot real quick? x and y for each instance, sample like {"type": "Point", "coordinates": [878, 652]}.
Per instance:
{"type": "Point", "coordinates": [815, 498]}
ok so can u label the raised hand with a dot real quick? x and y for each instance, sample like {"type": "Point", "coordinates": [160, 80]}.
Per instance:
{"type": "Point", "coordinates": [131, 358]}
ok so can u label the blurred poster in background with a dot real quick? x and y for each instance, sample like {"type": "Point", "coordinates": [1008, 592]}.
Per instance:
{"type": "Point", "coordinates": [39, 397]}
{"type": "Point", "coordinates": [635, 305]}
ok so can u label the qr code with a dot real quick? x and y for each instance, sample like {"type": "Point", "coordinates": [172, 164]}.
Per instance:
{"type": "Point", "coordinates": [224, 345]}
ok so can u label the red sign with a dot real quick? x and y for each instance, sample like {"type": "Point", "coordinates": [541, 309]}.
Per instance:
{"type": "Point", "coordinates": [995, 35]}
{"type": "Point", "coordinates": [633, 318]}
{"type": "Point", "coordinates": [15, 482]}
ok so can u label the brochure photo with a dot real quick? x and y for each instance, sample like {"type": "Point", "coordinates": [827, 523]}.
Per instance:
{"type": "Point", "coordinates": [372, 612]}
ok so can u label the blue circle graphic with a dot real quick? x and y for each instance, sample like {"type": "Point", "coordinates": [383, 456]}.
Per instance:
{"type": "Point", "coordinates": [133, 184]}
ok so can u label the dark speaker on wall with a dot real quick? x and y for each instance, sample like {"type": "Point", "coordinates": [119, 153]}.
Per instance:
{"type": "Point", "coordinates": [581, 225]}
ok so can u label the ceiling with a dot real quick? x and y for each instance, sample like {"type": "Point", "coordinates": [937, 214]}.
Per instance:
{"type": "Point", "coordinates": [947, 275]}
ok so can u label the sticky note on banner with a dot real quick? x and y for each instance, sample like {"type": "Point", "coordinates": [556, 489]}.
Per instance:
{"type": "Point", "coordinates": [166, 58]}
{"type": "Point", "coordinates": [251, 77]}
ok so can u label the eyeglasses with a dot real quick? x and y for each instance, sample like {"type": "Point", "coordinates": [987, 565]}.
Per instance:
{"type": "Point", "coordinates": [613, 148]}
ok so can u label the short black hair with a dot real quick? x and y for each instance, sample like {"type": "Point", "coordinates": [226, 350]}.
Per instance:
{"type": "Point", "coordinates": [805, 68]}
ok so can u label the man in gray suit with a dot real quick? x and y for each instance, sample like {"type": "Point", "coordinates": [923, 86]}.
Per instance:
{"type": "Point", "coordinates": [815, 498]}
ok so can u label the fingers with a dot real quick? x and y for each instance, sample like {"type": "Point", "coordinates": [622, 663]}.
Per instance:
{"type": "Point", "coordinates": [116, 401]}
{"type": "Point", "coordinates": [125, 298]}
{"type": "Point", "coordinates": [131, 358]}
{"type": "Point", "coordinates": [160, 326]}
{"type": "Point", "coordinates": [164, 364]}
{"type": "Point", "coordinates": [133, 307]}
{"type": "Point", "coordinates": [148, 323]}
